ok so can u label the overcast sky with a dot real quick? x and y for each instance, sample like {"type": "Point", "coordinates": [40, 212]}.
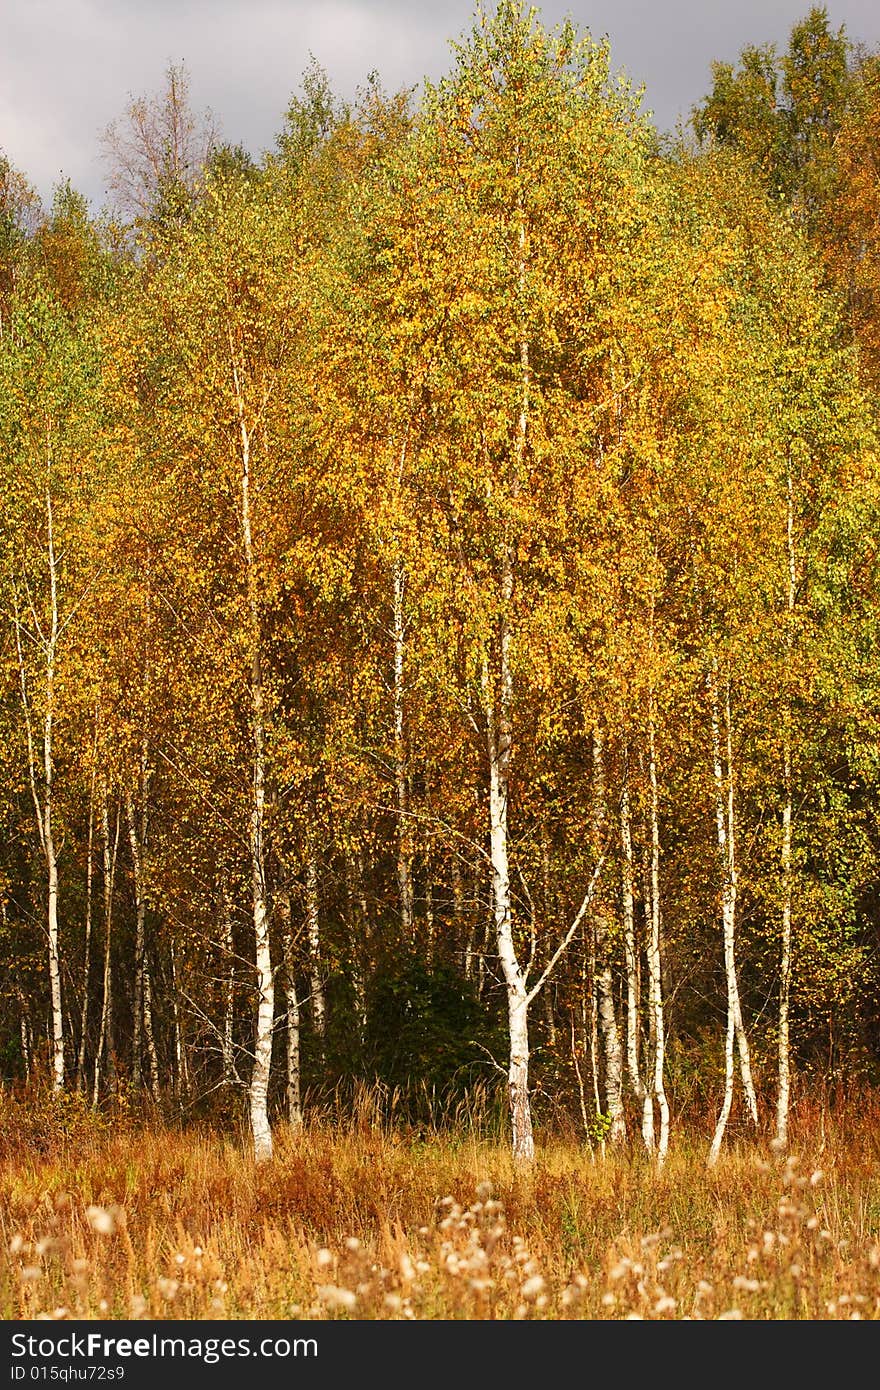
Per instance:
{"type": "Point", "coordinates": [69, 67]}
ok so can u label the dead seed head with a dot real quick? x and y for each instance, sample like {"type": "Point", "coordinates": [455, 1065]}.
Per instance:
{"type": "Point", "coordinates": [335, 1298]}
{"type": "Point", "coordinates": [103, 1220]}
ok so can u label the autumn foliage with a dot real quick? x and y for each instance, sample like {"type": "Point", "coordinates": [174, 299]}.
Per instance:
{"type": "Point", "coordinates": [439, 631]}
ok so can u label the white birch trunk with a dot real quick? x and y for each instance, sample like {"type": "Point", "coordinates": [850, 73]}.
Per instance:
{"type": "Point", "coordinates": [613, 1056]}
{"type": "Point", "coordinates": [404, 838]}
{"type": "Point", "coordinates": [725, 829]}
{"type": "Point", "coordinates": [292, 1021]}
{"type": "Point", "coordinates": [588, 982]}
{"type": "Point", "coordinates": [259, 1087]}
{"type": "Point", "coordinates": [149, 1035]}
{"type": "Point", "coordinates": [655, 977]}
{"type": "Point", "coordinates": [138, 826]}
{"type": "Point", "coordinates": [358, 918]}
{"type": "Point", "coordinates": [547, 906]}
{"type": "Point", "coordinates": [87, 948]}
{"type": "Point", "coordinates": [137, 840]}
{"type": "Point", "coordinates": [742, 1042]}
{"type": "Point", "coordinates": [228, 983]}
{"type": "Point", "coordinates": [54, 959]}
{"type": "Point", "coordinates": [105, 1048]}
{"type": "Point", "coordinates": [43, 795]}
{"type": "Point", "coordinates": [640, 1090]}
{"type": "Point", "coordinates": [48, 829]}
{"type": "Point", "coordinates": [181, 1072]}
{"type": "Point", "coordinates": [313, 928]}
{"type": "Point", "coordinates": [498, 745]}
{"type": "Point", "coordinates": [783, 1096]}
{"type": "Point", "coordinates": [25, 1044]}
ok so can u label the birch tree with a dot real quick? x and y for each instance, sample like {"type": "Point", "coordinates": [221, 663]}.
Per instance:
{"type": "Point", "coordinates": [525, 124]}
{"type": "Point", "coordinates": [52, 555]}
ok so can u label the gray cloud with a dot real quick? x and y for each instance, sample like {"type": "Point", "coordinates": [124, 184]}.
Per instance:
{"type": "Point", "coordinates": [68, 67]}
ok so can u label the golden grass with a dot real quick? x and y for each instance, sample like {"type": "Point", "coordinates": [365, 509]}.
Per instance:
{"type": "Point", "coordinates": [105, 1219]}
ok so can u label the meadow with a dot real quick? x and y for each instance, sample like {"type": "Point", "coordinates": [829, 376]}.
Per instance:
{"type": "Point", "coordinates": [108, 1215]}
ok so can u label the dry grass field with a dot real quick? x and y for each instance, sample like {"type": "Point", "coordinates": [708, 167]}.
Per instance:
{"type": "Point", "coordinates": [106, 1217]}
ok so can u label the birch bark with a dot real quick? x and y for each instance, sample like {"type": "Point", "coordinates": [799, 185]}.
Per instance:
{"type": "Point", "coordinates": [404, 838]}
{"type": "Point", "coordinates": [613, 1057]}
{"type": "Point", "coordinates": [498, 739]}
{"type": "Point", "coordinates": [783, 1097]}
{"type": "Point", "coordinates": [640, 1090]}
{"type": "Point", "coordinates": [292, 1019]}
{"type": "Point", "coordinates": [228, 941]}
{"type": "Point", "coordinates": [259, 1086]}
{"type": "Point", "coordinates": [110, 848]}
{"type": "Point", "coordinates": [655, 978]}
{"type": "Point", "coordinates": [725, 830]}
{"type": "Point", "coordinates": [137, 837]}
{"type": "Point", "coordinates": [42, 782]}
{"type": "Point", "coordinates": [313, 926]}
{"type": "Point", "coordinates": [87, 943]}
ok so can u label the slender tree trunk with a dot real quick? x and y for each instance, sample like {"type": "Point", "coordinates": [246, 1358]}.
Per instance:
{"type": "Point", "coordinates": [498, 714]}
{"type": "Point", "coordinates": [473, 919]}
{"type": "Point", "coordinates": [48, 829]}
{"type": "Point", "coordinates": [138, 826]}
{"type": "Point", "coordinates": [358, 923]}
{"type": "Point", "coordinates": [152, 1054]}
{"type": "Point", "coordinates": [313, 925]}
{"type": "Point", "coordinates": [105, 1049]}
{"type": "Point", "coordinates": [488, 934]}
{"type": "Point", "coordinates": [292, 1020]}
{"type": "Point", "coordinates": [725, 828]}
{"type": "Point", "coordinates": [259, 1087]}
{"type": "Point", "coordinates": [604, 981]}
{"type": "Point", "coordinates": [404, 837]}
{"type": "Point", "coordinates": [640, 1090]}
{"type": "Point", "coordinates": [499, 744]}
{"type": "Point", "coordinates": [590, 984]}
{"type": "Point", "coordinates": [429, 895]}
{"type": "Point", "coordinates": [550, 1016]}
{"type": "Point", "coordinates": [54, 959]}
{"type": "Point", "coordinates": [43, 795]}
{"type": "Point", "coordinates": [547, 907]}
{"type": "Point", "coordinates": [783, 1097]}
{"type": "Point", "coordinates": [742, 1042]}
{"type": "Point", "coordinates": [181, 1071]}
{"type": "Point", "coordinates": [582, 1090]}
{"type": "Point", "coordinates": [458, 913]}
{"type": "Point", "coordinates": [228, 982]}
{"type": "Point", "coordinates": [655, 978]}
{"type": "Point", "coordinates": [137, 841]}
{"type": "Point", "coordinates": [25, 1043]}
{"type": "Point", "coordinates": [87, 949]}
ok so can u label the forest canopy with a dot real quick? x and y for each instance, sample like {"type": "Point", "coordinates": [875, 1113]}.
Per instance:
{"type": "Point", "coordinates": [439, 599]}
